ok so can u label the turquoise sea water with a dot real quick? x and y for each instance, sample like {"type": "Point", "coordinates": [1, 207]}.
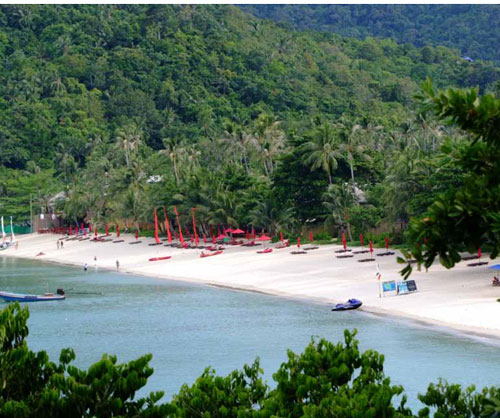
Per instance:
{"type": "Point", "coordinates": [188, 327]}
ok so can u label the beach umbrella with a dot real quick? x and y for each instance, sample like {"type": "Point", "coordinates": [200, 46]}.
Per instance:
{"type": "Point", "coordinates": [311, 237]}
{"type": "Point", "coordinates": [156, 227]}
{"type": "Point", "coordinates": [230, 230]}
{"type": "Point", "coordinates": [204, 238]}
{"type": "Point", "coordinates": [264, 237]}
{"type": "Point", "coordinates": [298, 242]}
{"type": "Point", "coordinates": [167, 225]}
{"type": "Point", "coordinates": [106, 228]}
{"type": "Point", "coordinates": [361, 239]}
{"type": "Point", "coordinates": [238, 231]}
{"type": "Point", "coordinates": [479, 253]}
{"type": "Point", "coordinates": [117, 231]}
{"type": "Point", "coordinates": [194, 226]}
{"type": "Point", "coordinates": [386, 243]}
{"type": "Point", "coordinates": [281, 236]}
{"type": "Point", "coordinates": [344, 241]}
{"type": "Point", "coordinates": [136, 234]}
{"type": "Point", "coordinates": [221, 236]}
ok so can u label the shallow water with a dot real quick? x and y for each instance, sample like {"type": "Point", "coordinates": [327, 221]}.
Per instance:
{"type": "Point", "coordinates": [188, 327]}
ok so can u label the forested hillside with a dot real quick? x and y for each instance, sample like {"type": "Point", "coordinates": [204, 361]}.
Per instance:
{"type": "Point", "coordinates": [471, 28]}
{"type": "Point", "coordinates": [250, 122]}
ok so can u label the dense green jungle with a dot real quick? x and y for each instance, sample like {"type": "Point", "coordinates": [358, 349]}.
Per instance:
{"type": "Point", "coordinates": [107, 111]}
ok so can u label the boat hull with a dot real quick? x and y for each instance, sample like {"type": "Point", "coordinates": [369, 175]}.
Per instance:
{"type": "Point", "coordinates": [19, 297]}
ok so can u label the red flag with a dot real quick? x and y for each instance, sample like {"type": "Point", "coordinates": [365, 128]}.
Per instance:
{"type": "Point", "coordinates": [167, 225]}
{"type": "Point", "coordinates": [179, 225]}
{"type": "Point", "coordinates": [156, 228]}
{"type": "Point", "coordinates": [117, 231]}
{"type": "Point", "coordinates": [204, 238]}
{"type": "Point", "coordinates": [386, 243]}
{"type": "Point", "coordinates": [479, 253]}
{"type": "Point", "coordinates": [311, 237]}
{"type": "Point", "coordinates": [281, 236]}
{"type": "Point", "coordinates": [106, 228]}
{"type": "Point", "coordinates": [136, 234]}
{"type": "Point", "coordinates": [371, 247]}
{"type": "Point", "coordinates": [298, 242]}
{"type": "Point", "coordinates": [361, 239]}
{"type": "Point", "coordinates": [95, 231]}
{"type": "Point", "coordinates": [344, 241]}
{"type": "Point", "coordinates": [194, 227]}
{"type": "Point", "coordinates": [90, 228]}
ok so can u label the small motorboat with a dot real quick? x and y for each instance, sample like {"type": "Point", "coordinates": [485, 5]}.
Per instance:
{"type": "Point", "coordinates": [160, 258]}
{"type": "Point", "coordinates": [19, 297]}
{"type": "Point", "coordinates": [350, 304]}
{"type": "Point", "coordinates": [203, 255]}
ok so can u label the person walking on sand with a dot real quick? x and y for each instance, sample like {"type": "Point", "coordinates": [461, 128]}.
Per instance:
{"type": "Point", "coordinates": [58, 244]}
{"type": "Point", "coordinates": [62, 244]}
{"type": "Point", "coordinates": [85, 267]}
{"type": "Point", "coordinates": [117, 265]}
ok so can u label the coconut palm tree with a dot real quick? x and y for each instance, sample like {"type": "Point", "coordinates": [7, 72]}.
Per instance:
{"type": "Point", "coordinates": [338, 199]}
{"type": "Point", "coordinates": [129, 138]}
{"type": "Point", "coordinates": [174, 149]}
{"type": "Point", "coordinates": [322, 150]}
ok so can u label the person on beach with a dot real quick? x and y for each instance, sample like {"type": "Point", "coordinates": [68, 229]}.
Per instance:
{"type": "Point", "coordinates": [58, 244]}
{"type": "Point", "coordinates": [85, 267]}
{"type": "Point", "coordinates": [117, 265]}
{"type": "Point", "coordinates": [62, 244]}
{"type": "Point", "coordinates": [95, 261]}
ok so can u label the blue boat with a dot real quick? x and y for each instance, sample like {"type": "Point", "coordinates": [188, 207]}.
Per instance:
{"type": "Point", "coordinates": [19, 297]}
{"type": "Point", "coordinates": [350, 304]}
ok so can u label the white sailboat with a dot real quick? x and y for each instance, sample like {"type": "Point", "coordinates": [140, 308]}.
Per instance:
{"type": "Point", "coordinates": [12, 236]}
{"type": "Point", "coordinates": [3, 232]}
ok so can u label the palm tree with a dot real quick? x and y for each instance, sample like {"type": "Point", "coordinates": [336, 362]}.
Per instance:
{"type": "Point", "coordinates": [173, 149]}
{"type": "Point", "coordinates": [268, 141]}
{"type": "Point", "coordinates": [321, 151]}
{"type": "Point", "coordinates": [129, 138]}
{"type": "Point", "coordinates": [338, 199]}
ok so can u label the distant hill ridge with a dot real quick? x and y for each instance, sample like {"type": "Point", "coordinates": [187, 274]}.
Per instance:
{"type": "Point", "coordinates": [472, 28]}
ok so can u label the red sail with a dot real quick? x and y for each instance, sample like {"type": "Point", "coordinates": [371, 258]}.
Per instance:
{"type": "Point", "coordinates": [181, 238]}
{"type": "Point", "coordinates": [167, 225]}
{"type": "Point", "coordinates": [95, 231]}
{"type": "Point", "coordinates": [298, 242]}
{"type": "Point", "coordinates": [106, 228]}
{"type": "Point", "coordinates": [281, 236]}
{"type": "Point", "coordinates": [117, 231]}
{"type": "Point", "coordinates": [196, 240]}
{"type": "Point", "coordinates": [311, 237]}
{"type": "Point", "coordinates": [156, 229]}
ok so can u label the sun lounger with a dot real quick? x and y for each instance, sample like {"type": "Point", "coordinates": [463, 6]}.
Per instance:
{"type": "Point", "coordinates": [135, 242]}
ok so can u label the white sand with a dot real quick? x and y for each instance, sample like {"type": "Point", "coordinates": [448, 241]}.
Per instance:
{"type": "Point", "coordinates": [461, 298]}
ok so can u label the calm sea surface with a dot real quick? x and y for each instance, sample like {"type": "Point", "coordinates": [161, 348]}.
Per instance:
{"type": "Point", "coordinates": [189, 327]}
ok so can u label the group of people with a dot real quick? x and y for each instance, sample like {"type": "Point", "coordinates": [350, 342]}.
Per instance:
{"type": "Point", "coordinates": [60, 244]}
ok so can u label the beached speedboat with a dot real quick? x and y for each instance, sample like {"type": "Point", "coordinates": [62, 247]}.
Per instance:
{"type": "Point", "coordinates": [167, 257]}
{"type": "Point", "coordinates": [19, 297]}
{"type": "Point", "coordinates": [350, 304]}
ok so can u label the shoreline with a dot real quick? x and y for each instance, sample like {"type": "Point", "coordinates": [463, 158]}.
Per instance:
{"type": "Point", "coordinates": [460, 300]}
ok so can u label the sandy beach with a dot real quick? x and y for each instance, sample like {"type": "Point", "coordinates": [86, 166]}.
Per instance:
{"type": "Point", "coordinates": [462, 298]}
